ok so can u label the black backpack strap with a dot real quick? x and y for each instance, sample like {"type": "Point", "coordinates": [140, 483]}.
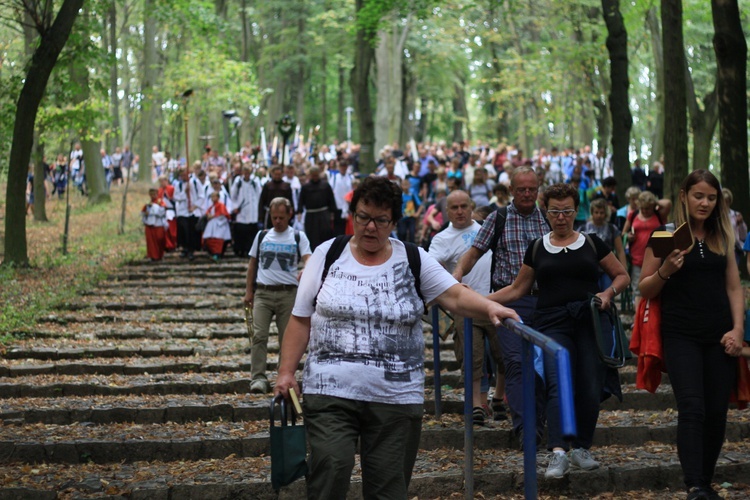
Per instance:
{"type": "Point", "coordinates": [296, 240]}
{"type": "Point", "coordinates": [415, 266]}
{"type": "Point", "coordinates": [501, 215]}
{"type": "Point", "coordinates": [333, 253]}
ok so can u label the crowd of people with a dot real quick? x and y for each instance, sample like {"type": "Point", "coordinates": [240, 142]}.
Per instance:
{"type": "Point", "coordinates": [346, 263]}
{"type": "Point", "coordinates": [536, 239]}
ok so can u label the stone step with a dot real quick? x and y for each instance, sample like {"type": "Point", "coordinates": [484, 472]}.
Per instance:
{"type": "Point", "coordinates": [161, 292]}
{"type": "Point", "coordinates": [182, 439]}
{"type": "Point", "coordinates": [173, 284]}
{"type": "Point", "coordinates": [625, 471]}
{"type": "Point", "coordinates": [207, 315]}
{"type": "Point", "coordinates": [122, 360]}
{"type": "Point", "coordinates": [47, 386]}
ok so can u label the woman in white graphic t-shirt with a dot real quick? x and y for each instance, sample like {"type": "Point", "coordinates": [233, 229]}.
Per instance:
{"type": "Point", "coordinates": [362, 328]}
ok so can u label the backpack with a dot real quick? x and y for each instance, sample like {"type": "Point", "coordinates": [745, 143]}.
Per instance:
{"type": "Point", "coordinates": [501, 215]}
{"type": "Point", "coordinates": [337, 248]}
{"type": "Point", "coordinates": [257, 256]}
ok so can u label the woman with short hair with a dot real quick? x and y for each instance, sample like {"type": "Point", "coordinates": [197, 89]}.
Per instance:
{"type": "Point", "coordinates": [565, 265]}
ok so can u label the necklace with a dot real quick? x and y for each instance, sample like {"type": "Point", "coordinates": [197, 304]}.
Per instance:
{"type": "Point", "coordinates": [701, 249]}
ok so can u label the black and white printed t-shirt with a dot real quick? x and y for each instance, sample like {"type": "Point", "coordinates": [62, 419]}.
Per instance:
{"type": "Point", "coordinates": [366, 340]}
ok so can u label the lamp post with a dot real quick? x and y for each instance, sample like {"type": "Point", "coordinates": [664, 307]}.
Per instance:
{"type": "Point", "coordinates": [286, 126]}
{"type": "Point", "coordinates": [228, 115]}
{"type": "Point", "coordinates": [185, 97]}
{"type": "Point", "coordinates": [236, 121]}
{"type": "Point", "coordinates": [349, 110]}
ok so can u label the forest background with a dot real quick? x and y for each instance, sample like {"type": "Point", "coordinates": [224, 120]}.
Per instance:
{"type": "Point", "coordinates": [536, 73]}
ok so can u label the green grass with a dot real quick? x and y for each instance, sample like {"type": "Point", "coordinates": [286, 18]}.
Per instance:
{"type": "Point", "coordinates": [54, 279]}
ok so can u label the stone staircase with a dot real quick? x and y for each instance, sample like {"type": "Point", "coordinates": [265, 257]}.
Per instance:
{"type": "Point", "coordinates": [140, 390]}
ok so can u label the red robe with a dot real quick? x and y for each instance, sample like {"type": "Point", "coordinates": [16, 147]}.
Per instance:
{"type": "Point", "coordinates": [215, 246]}
{"type": "Point", "coordinates": [171, 233]}
{"type": "Point", "coordinates": [155, 238]}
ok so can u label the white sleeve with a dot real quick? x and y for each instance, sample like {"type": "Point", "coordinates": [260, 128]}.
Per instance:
{"type": "Point", "coordinates": [435, 279]}
{"type": "Point", "coordinates": [254, 248]}
{"type": "Point", "coordinates": [311, 280]}
{"type": "Point", "coordinates": [438, 250]}
{"type": "Point", "coordinates": [304, 244]}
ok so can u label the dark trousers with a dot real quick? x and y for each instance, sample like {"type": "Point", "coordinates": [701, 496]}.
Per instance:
{"type": "Point", "coordinates": [244, 234]}
{"type": "Point", "coordinates": [406, 229]}
{"type": "Point", "coordinates": [511, 346]}
{"type": "Point", "coordinates": [388, 437]}
{"type": "Point", "coordinates": [187, 236]}
{"type": "Point", "coordinates": [589, 372]}
{"type": "Point", "coordinates": [702, 376]}
{"type": "Point", "coordinates": [339, 223]}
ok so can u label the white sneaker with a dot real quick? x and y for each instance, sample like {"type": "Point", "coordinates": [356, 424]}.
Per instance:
{"type": "Point", "coordinates": [259, 386]}
{"type": "Point", "coordinates": [582, 459]}
{"type": "Point", "coordinates": [558, 467]}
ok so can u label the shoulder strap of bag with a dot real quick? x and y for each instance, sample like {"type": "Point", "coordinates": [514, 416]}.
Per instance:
{"type": "Point", "coordinates": [501, 215]}
{"type": "Point", "coordinates": [337, 248]}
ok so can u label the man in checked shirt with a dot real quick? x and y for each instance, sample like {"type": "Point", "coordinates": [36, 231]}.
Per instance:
{"type": "Point", "coordinates": [523, 223]}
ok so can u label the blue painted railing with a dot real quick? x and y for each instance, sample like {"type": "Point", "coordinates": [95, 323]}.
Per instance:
{"type": "Point", "coordinates": [530, 338]}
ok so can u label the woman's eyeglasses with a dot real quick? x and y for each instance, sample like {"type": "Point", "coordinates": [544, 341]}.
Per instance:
{"type": "Point", "coordinates": [380, 222]}
{"type": "Point", "coordinates": [557, 213]}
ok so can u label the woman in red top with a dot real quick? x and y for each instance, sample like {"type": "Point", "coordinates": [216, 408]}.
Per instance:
{"type": "Point", "coordinates": [638, 227]}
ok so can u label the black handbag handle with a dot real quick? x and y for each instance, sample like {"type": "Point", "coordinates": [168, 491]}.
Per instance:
{"type": "Point", "coordinates": [282, 404]}
{"type": "Point", "coordinates": [617, 361]}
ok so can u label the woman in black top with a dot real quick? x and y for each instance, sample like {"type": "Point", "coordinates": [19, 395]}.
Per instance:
{"type": "Point", "coordinates": [565, 264]}
{"type": "Point", "coordinates": [701, 326]}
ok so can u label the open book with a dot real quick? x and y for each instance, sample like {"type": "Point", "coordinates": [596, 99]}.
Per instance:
{"type": "Point", "coordinates": [665, 242]}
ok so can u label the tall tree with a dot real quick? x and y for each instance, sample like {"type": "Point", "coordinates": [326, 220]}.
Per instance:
{"type": "Point", "coordinates": [149, 102]}
{"type": "Point", "coordinates": [731, 53]}
{"type": "Point", "coordinates": [364, 55]}
{"type": "Point", "coordinates": [622, 120]}
{"type": "Point", "coordinates": [657, 137]}
{"type": "Point", "coordinates": [675, 99]}
{"type": "Point", "coordinates": [53, 34]}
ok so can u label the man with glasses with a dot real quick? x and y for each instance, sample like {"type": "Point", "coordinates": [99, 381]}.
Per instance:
{"type": "Point", "coordinates": [520, 223]}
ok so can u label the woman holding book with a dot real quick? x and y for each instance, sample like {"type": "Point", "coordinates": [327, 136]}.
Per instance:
{"type": "Point", "coordinates": [701, 326]}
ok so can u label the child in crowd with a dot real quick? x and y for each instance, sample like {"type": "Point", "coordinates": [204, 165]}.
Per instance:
{"type": "Point", "coordinates": [412, 207]}
{"type": "Point", "coordinates": [217, 230]}
{"type": "Point", "coordinates": [608, 233]}
{"type": "Point", "coordinates": [154, 216]}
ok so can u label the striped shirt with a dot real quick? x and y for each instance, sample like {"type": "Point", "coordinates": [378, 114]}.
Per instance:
{"type": "Point", "coordinates": [520, 230]}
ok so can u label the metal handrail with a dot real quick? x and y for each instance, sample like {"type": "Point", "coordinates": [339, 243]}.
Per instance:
{"type": "Point", "coordinates": [565, 393]}
{"type": "Point", "coordinates": [530, 338]}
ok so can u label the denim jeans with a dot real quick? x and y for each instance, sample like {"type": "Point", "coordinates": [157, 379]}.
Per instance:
{"type": "Point", "coordinates": [511, 346]}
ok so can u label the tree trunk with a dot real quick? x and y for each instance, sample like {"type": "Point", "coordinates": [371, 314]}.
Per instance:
{"type": "Point", "coordinates": [657, 137]}
{"type": "Point", "coordinates": [40, 174]}
{"type": "Point", "coordinates": [148, 103]}
{"type": "Point", "coordinates": [421, 132]}
{"type": "Point", "coordinates": [324, 101]}
{"type": "Point", "coordinates": [360, 87]}
{"type": "Point", "coordinates": [37, 155]}
{"type": "Point", "coordinates": [622, 120]}
{"type": "Point", "coordinates": [340, 113]}
{"type": "Point", "coordinates": [702, 121]}
{"type": "Point", "coordinates": [731, 55]}
{"type": "Point", "coordinates": [675, 100]}
{"type": "Point", "coordinates": [245, 32]}
{"type": "Point", "coordinates": [114, 98]}
{"type": "Point", "coordinates": [389, 57]}
{"type": "Point", "coordinates": [460, 113]}
{"type": "Point", "coordinates": [41, 65]}
{"type": "Point", "coordinates": [408, 109]}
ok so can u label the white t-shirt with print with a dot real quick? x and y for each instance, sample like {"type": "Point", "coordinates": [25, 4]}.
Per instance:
{"type": "Point", "coordinates": [366, 340]}
{"type": "Point", "coordinates": [449, 245]}
{"type": "Point", "coordinates": [278, 259]}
